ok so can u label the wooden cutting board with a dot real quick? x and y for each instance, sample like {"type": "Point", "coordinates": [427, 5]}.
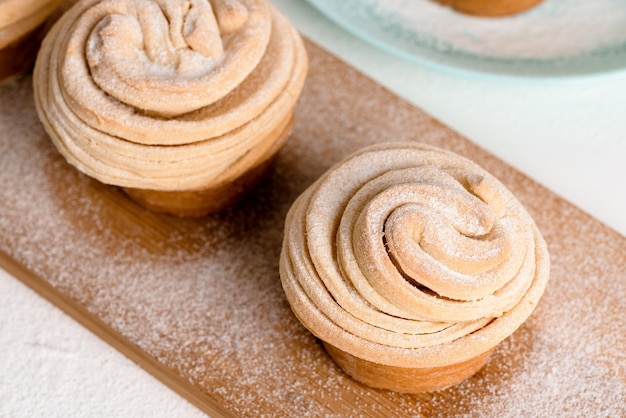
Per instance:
{"type": "Point", "coordinates": [199, 303]}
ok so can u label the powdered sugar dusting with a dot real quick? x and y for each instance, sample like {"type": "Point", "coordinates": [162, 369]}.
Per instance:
{"type": "Point", "coordinates": [203, 297]}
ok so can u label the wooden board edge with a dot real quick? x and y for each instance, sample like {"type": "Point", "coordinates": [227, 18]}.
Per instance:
{"type": "Point", "coordinates": [196, 397]}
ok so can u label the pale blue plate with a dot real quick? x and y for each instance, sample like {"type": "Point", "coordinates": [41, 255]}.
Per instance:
{"type": "Point", "coordinates": [557, 39]}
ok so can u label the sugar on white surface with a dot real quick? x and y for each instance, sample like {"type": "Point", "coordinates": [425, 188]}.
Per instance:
{"type": "Point", "coordinates": [52, 366]}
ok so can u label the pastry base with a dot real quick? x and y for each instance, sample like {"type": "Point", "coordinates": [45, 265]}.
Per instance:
{"type": "Point", "coordinates": [19, 56]}
{"type": "Point", "coordinates": [199, 203]}
{"type": "Point", "coordinates": [491, 8]}
{"type": "Point", "coordinates": [219, 196]}
{"type": "Point", "coordinates": [405, 380]}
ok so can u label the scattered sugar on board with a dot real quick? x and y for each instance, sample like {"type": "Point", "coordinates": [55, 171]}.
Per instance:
{"type": "Point", "coordinates": [203, 297]}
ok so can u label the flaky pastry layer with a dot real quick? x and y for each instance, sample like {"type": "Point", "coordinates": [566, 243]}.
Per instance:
{"type": "Point", "coordinates": [20, 17]}
{"type": "Point", "coordinates": [167, 95]}
{"type": "Point", "coordinates": [411, 256]}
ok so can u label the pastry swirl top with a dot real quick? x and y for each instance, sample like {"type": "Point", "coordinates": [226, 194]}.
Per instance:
{"type": "Point", "coordinates": [166, 94]}
{"type": "Point", "coordinates": [409, 255]}
{"type": "Point", "coordinates": [167, 57]}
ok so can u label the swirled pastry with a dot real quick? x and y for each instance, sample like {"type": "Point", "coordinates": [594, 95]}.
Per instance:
{"type": "Point", "coordinates": [20, 24]}
{"type": "Point", "coordinates": [182, 103]}
{"type": "Point", "coordinates": [411, 263]}
{"type": "Point", "coordinates": [491, 8]}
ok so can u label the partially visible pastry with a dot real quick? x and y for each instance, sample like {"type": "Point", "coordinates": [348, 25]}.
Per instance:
{"type": "Point", "coordinates": [490, 7]}
{"type": "Point", "coordinates": [21, 24]}
{"type": "Point", "coordinates": [183, 104]}
{"type": "Point", "coordinates": [411, 263]}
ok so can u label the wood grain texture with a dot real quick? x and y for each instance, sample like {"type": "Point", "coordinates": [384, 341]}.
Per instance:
{"type": "Point", "coordinates": [198, 302]}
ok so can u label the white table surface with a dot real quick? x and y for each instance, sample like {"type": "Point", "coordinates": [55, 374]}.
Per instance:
{"type": "Point", "coordinates": [570, 136]}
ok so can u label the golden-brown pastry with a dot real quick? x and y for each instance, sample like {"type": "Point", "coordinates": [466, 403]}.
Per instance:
{"type": "Point", "coordinates": [490, 7]}
{"type": "Point", "coordinates": [21, 23]}
{"type": "Point", "coordinates": [411, 263]}
{"type": "Point", "coordinates": [181, 103]}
